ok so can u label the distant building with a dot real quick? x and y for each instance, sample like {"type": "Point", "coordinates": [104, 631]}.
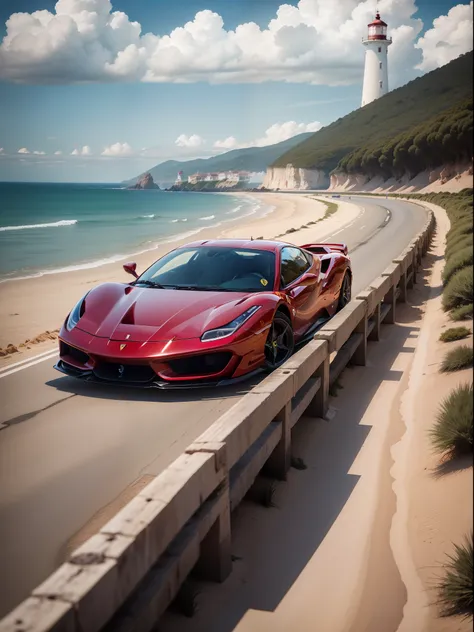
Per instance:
{"type": "Point", "coordinates": [376, 61]}
{"type": "Point", "coordinates": [197, 177]}
{"type": "Point", "coordinates": [231, 176]}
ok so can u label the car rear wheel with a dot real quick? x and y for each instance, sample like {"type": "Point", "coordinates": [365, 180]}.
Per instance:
{"type": "Point", "coordinates": [280, 342]}
{"type": "Point", "coordinates": [345, 292]}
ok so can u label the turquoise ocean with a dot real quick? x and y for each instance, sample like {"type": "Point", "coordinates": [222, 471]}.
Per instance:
{"type": "Point", "coordinates": [51, 228]}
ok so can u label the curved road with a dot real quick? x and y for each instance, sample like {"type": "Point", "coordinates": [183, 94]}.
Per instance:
{"type": "Point", "coordinates": [68, 449]}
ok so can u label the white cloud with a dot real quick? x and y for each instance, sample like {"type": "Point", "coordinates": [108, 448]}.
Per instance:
{"type": "Point", "coordinates": [277, 133]}
{"type": "Point", "coordinates": [118, 149]}
{"type": "Point", "coordinates": [282, 131]}
{"type": "Point", "coordinates": [23, 150]}
{"type": "Point", "coordinates": [39, 153]}
{"type": "Point", "coordinates": [85, 151]}
{"type": "Point", "coordinates": [190, 142]}
{"type": "Point", "coordinates": [316, 41]}
{"type": "Point", "coordinates": [227, 143]}
{"type": "Point", "coordinates": [450, 37]}
{"type": "Point", "coordinates": [58, 153]}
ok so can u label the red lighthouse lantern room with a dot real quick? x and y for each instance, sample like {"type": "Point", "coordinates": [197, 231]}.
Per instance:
{"type": "Point", "coordinates": [377, 29]}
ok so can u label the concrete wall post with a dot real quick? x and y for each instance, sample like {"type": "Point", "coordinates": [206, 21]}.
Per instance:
{"type": "Point", "coordinates": [320, 403]}
{"type": "Point", "coordinates": [403, 288]}
{"type": "Point", "coordinates": [390, 299]}
{"type": "Point", "coordinates": [280, 459]}
{"type": "Point", "coordinates": [375, 333]}
{"type": "Point", "coordinates": [215, 560]}
{"type": "Point", "coordinates": [360, 354]}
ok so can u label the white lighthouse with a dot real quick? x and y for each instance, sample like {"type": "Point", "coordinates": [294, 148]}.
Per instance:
{"type": "Point", "coordinates": [376, 61]}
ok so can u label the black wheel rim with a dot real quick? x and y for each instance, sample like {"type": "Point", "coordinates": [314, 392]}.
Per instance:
{"type": "Point", "coordinates": [279, 345]}
{"type": "Point", "coordinates": [346, 291]}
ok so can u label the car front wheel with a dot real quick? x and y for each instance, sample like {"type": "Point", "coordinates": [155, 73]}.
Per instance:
{"type": "Point", "coordinates": [345, 292]}
{"type": "Point", "coordinates": [280, 342]}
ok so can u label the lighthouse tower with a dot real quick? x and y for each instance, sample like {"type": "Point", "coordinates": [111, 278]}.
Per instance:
{"type": "Point", "coordinates": [376, 61]}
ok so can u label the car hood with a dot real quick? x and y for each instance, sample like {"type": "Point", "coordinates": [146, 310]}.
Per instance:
{"type": "Point", "coordinates": [120, 312]}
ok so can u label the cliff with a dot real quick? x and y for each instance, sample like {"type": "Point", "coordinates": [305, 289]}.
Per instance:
{"type": "Point", "coordinates": [145, 182]}
{"type": "Point", "coordinates": [291, 177]}
{"type": "Point", "coordinates": [449, 178]}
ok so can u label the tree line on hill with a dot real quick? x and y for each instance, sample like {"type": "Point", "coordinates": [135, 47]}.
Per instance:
{"type": "Point", "coordinates": [442, 139]}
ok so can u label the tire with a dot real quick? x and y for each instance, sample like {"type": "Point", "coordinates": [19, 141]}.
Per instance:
{"type": "Point", "coordinates": [281, 333]}
{"type": "Point", "coordinates": [345, 292]}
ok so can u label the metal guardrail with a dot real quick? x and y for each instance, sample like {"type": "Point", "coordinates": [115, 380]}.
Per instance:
{"type": "Point", "coordinates": [124, 577]}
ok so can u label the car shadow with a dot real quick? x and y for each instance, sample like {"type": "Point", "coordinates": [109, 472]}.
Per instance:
{"type": "Point", "coordinates": [74, 386]}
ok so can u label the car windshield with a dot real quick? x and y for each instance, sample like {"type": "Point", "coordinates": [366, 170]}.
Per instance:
{"type": "Point", "coordinates": [213, 268]}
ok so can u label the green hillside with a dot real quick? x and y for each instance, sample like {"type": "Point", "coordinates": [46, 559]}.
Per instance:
{"type": "Point", "coordinates": [253, 159]}
{"type": "Point", "coordinates": [445, 138]}
{"type": "Point", "coordinates": [392, 114]}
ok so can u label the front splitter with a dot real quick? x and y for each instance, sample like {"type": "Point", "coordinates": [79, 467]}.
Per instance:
{"type": "Point", "coordinates": [88, 376]}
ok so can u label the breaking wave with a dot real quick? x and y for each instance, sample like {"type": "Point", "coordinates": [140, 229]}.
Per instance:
{"type": "Point", "coordinates": [63, 222]}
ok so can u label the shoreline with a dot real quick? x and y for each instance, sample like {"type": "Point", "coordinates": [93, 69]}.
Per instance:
{"type": "Point", "coordinates": [138, 248]}
{"type": "Point", "coordinates": [32, 309]}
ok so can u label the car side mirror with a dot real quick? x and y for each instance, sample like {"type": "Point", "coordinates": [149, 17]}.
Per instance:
{"type": "Point", "coordinates": [130, 268]}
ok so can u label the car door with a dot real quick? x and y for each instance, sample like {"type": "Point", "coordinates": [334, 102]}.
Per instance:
{"type": "Point", "coordinates": [299, 279]}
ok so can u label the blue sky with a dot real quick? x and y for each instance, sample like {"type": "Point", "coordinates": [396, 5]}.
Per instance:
{"type": "Point", "coordinates": [84, 81]}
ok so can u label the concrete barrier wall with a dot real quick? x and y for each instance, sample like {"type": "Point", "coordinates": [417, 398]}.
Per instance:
{"type": "Point", "coordinates": [124, 577]}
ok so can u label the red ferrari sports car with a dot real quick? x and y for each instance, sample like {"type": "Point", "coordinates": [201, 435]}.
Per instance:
{"type": "Point", "coordinates": [205, 314]}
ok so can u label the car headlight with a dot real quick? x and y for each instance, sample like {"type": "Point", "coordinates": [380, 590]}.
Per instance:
{"type": "Point", "coordinates": [76, 314]}
{"type": "Point", "coordinates": [230, 328]}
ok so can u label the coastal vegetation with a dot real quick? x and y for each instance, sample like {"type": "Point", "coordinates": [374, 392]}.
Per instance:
{"type": "Point", "coordinates": [458, 269]}
{"type": "Point", "coordinates": [452, 434]}
{"type": "Point", "coordinates": [457, 359]}
{"type": "Point", "coordinates": [454, 333]}
{"type": "Point", "coordinates": [394, 114]}
{"type": "Point", "coordinates": [445, 138]}
{"type": "Point", "coordinates": [455, 588]}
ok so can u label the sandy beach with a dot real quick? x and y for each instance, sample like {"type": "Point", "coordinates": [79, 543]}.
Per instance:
{"type": "Point", "coordinates": [32, 309]}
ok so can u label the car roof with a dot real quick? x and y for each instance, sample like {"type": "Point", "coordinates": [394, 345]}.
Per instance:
{"type": "Point", "coordinates": [251, 244]}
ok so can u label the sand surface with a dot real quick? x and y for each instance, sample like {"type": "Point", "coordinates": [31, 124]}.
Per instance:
{"type": "Point", "coordinates": [355, 541]}
{"type": "Point", "coordinates": [32, 307]}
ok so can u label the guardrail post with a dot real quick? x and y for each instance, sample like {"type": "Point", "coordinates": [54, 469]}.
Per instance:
{"type": "Point", "coordinates": [375, 333]}
{"type": "Point", "coordinates": [411, 277]}
{"type": "Point", "coordinates": [419, 253]}
{"type": "Point", "coordinates": [320, 402]}
{"type": "Point", "coordinates": [391, 300]}
{"type": "Point", "coordinates": [279, 461]}
{"type": "Point", "coordinates": [403, 287]}
{"type": "Point", "coordinates": [360, 354]}
{"type": "Point", "coordinates": [215, 560]}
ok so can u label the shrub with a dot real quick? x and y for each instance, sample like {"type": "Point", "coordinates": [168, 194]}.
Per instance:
{"type": "Point", "coordinates": [459, 289]}
{"type": "Point", "coordinates": [453, 430]}
{"type": "Point", "coordinates": [458, 260]}
{"type": "Point", "coordinates": [454, 333]}
{"type": "Point", "coordinates": [463, 228]}
{"type": "Point", "coordinates": [455, 589]}
{"type": "Point", "coordinates": [462, 313]}
{"type": "Point", "coordinates": [457, 359]}
{"type": "Point", "coordinates": [458, 243]}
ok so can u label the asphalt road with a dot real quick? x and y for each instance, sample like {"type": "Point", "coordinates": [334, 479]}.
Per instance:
{"type": "Point", "coordinates": [68, 449]}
